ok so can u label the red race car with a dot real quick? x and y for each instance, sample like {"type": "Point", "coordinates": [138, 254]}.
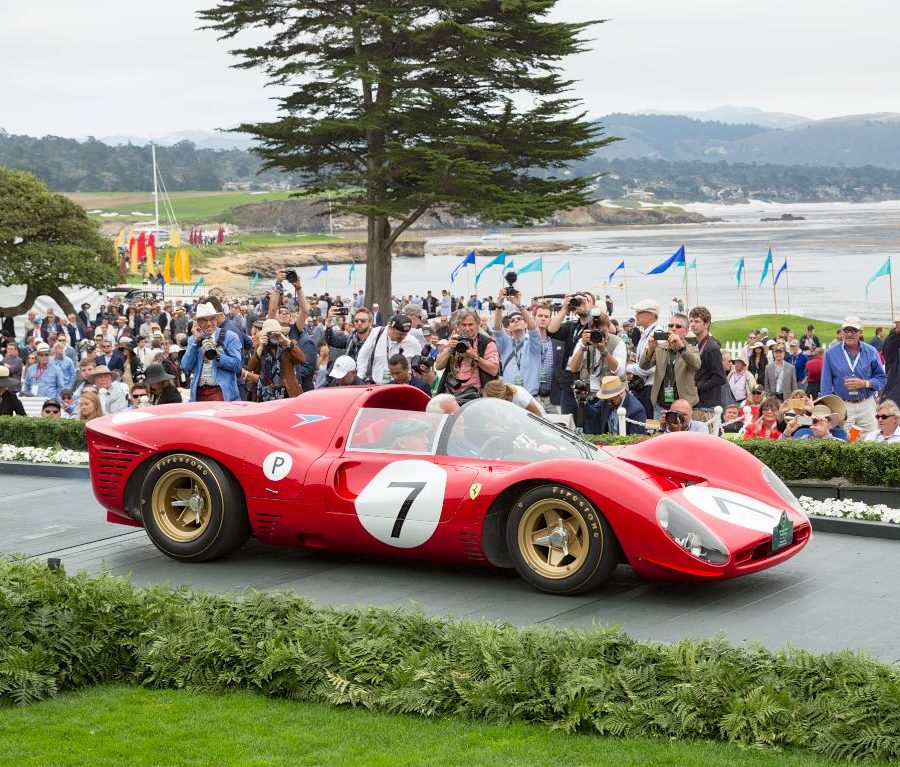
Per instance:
{"type": "Point", "coordinates": [366, 469]}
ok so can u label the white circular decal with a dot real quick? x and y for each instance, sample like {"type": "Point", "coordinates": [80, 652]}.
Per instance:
{"type": "Point", "coordinates": [277, 465]}
{"type": "Point", "coordinates": [740, 510]}
{"type": "Point", "coordinates": [402, 504]}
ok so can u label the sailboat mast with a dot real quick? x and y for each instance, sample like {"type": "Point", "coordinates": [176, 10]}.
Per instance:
{"type": "Point", "coordinates": [155, 193]}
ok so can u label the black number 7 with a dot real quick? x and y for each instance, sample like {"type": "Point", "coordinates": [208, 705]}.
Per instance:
{"type": "Point", "coordinates": [415, 489]}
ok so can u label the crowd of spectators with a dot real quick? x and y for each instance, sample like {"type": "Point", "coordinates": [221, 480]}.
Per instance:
{"type": "Point", "coordinates": [567, 355]}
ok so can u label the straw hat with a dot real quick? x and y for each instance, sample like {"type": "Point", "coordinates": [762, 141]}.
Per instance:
{"type": "Point", "coordinates": [835, 405]}
{"type": "Point", "coordinates": [206, 310]}
{"type": "Point", "coordinates": [610, 386]}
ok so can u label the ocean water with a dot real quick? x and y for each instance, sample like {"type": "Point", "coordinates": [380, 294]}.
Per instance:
{"type": "Point", "coordinates": [830, 256]}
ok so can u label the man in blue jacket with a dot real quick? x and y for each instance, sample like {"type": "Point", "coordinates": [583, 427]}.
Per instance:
{"type": "Point", "coordinates": [604, 418]}
{"type": "Point", "coordinates": [213, 356]}
{"type": "Point", "coordinates": [853, 371]}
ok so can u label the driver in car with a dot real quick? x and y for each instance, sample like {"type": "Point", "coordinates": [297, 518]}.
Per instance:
{"type": "Point", "coordinates": [410, 435]}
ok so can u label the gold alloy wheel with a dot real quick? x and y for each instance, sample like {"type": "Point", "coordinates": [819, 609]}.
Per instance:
{"type": "Point", "coordinates": [553, 538]}
{"type": "Point", "coordinates": [181, 505]}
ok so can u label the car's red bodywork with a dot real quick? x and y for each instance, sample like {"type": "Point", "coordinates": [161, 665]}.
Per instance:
{"type": "Point", "coordinates": [315, 504]}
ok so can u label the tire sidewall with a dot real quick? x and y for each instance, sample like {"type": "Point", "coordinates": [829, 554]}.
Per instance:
{"type": "Point", "coordinates": [216, 484]}
{"type": "Point", "coordinates": [601, 558]}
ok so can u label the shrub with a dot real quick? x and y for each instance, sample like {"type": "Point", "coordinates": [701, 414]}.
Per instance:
{"type": "Point", "coordinates": [58, 633]}
{"type": "Point", "coordinates": [42, 432]}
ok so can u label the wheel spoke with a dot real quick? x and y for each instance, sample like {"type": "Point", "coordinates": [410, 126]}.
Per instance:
{"type": "Point", "coordinates": [556, 556]}
{"type": "Point", "coordinates": [541, 537]}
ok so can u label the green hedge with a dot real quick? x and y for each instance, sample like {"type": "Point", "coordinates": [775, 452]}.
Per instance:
{"type": "Point", "coordinates": [59, 633]}
{"type": "Point", "coordinates": [861, 463]}
{"type": "Point", "coordinates": [42, 432]}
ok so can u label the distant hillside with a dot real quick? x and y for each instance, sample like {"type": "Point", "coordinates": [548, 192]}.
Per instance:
{"type": "Point", "coordinates": [853, 141]}
{"type": "Point", "coordinates": [734, 115]}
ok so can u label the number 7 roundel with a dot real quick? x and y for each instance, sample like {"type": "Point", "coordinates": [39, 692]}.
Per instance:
{"type": "Point", "coordinates": [402, 504]}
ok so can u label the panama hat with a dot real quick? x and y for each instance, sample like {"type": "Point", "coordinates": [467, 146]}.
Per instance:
{"type": "Point", "coordinates": [835, 405]}
{"type": "Point", "coordinates": [610, 387]}
{"type": "Point", "coordinates": [98, 371]}
{"type": "Point", "coordinates": [206, 310]}
{"type": "Point", "coordinates": [273, 326]}
{"type": "Point", "coordinates": [6, 380]}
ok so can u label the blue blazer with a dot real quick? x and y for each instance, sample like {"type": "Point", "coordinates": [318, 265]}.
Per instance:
{"type": "Point", "coordinates": [227, 366]}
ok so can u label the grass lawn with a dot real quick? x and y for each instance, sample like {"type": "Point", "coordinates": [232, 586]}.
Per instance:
{"type": "Point", "coordinates": [132, 726]}
{"type": "Point", "coordinates": [197, 206]}
{"type": "Point", "coordinates": [737, 330]}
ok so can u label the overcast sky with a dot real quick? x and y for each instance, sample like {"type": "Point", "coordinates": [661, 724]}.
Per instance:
{"type": "Point", "coordinates": [140, 67]}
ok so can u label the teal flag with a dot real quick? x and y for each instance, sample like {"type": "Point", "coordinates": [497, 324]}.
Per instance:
{"type": "Point", "coordinates": [740, 271]}
{"type": "Point", "coordinates": [564, 268]}
{"type": "Point", "coordinates": [498, 260]}
{"type": "Point", "coordinates": [693, 264]}
{"type": "Point", "coordinates": [352, 270]}
{"type": "Point", "coordinates": [766, 266]}
{"type": "Point", "coordinates": [882, 272]}
{"type": "Point", "coordinates": [254, 280]}
{"type": "Point", "coordinates": [510, 265]}
{"type": "Point", "coordinates": [197, 284]}
{"type": "Point", "coordinates": [535, 266]}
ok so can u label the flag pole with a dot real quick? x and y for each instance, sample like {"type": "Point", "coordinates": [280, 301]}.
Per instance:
{"type": "Point", "coordinates": [787, 285]}
{"type": "Point", "coordinates": [625, 286]}
{"type": "Point", "coordinates": [774, 291]}
{"type": "Point", "coordinates": [542, 275]}
{"type": "Point", "coordinates": [696, 282]}
{"type": "Point", "coordinates": [687, 302]}
{"type": "Point", "coordinates": [891, 286]}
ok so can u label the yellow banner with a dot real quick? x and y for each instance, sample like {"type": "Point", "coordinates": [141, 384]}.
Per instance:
{"type": "Point", "coordinates": [134, 260]}
{"type": "Point", "coordinates": [167, 268]}
{"type": "Point", "coordinates": [174, 237]}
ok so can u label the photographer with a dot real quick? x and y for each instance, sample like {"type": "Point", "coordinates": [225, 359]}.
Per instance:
{"type": "Point", "coordinates": [469, 360]}
{"type": "Point", "coordinates": [401, 373]}
{"type": "Point", "coordinates": [380, 346]}
{"type": "Point", "coordinates": [570, 333]}
{"type": "Point", "coordinates": [646, 316]}
{"type": "Point", "coordinates": [598, 355]}
{"type": "Point", "coordinates": [213, 357]}
{"type": "Point", "coordinates": [678, 418]}
{"type": "Point", "coordinates": [274, 358]}
{"type": "Point", "coordinates": [604, 419]}
{"type": "Point", "coordinates": [353, 341]}
{"type": "Point", "coordinates": [676, 363]}
{"type": "Point", "coordinates": [520, 348]}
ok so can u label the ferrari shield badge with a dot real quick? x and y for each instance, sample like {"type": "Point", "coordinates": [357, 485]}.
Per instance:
{"type": "Point", "coordinates": [474, 490]}
{"type": "Point", "coordinates": [783, 534]}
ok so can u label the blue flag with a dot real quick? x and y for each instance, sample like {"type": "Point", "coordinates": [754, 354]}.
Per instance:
{"type": "Point", "coordinates": [882, 272]}
{"type": "Point", "coordinates": [352, 270]}
{"type": "Point", "coordinates": [781, 271]}
{"type": "Point", "coordinates": [676, 259]}
{"type": "Point", "coordinates": [469, 259]}
{"type": "Point", "coordinates": [564, 268]}
{"type": "Point", "coordinates": [535, 266]}
{"type": "Point", "coordinates": [619, 268]}
{"type": "Point", "coordinates": [766, 266]}
{"type": "Point", "coordinates": [323, 268]}
{"type": "Point", "coordinates": [499, 260]}
{"type": "Point", "coordinates": [740, 271]}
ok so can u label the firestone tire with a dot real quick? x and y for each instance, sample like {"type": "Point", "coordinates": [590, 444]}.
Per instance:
{"type": "Point", "coordinates": [192, 509]}
{"type": "Point", "coordinates": [559, 542]}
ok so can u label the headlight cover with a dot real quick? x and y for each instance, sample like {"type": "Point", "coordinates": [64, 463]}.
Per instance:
{"type": "Point", "coordinates": [777, 484]}
{"type": "Point", "coordinates": [690, 533]}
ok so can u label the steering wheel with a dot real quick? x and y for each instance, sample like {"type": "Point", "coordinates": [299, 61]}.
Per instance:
{"type": "Point", "coordinates": [495, 447]}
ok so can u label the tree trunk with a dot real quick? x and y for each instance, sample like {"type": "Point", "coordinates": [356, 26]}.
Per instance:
{"type": "Point", "coordinates": [64, 303]}
{"type": "Point", "coordinates": [14, 311]}
{"type": "Point", "coordinates": [378, 265]}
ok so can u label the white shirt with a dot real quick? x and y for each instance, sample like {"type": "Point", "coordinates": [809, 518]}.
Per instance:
{"type": "Point", "coordinates": [409, 347]}
{"type": "Point", "coordinates": [523, 398]}
{"type": "Point", "coordinates": [446, 306]}
{"type": "Point", "coordinates": [877, 436]}
{"type": "Point", "coordinates": [621, 355]}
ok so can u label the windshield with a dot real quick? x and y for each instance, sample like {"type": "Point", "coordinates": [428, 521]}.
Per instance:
{"type": "Point", "coordinates": [490, 428]}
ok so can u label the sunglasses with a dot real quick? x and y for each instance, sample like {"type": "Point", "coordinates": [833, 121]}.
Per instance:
{"type": "Point", "coordinates": [883, 416]}
{"type": "Point", "coordinates": [850, 330]}
{"type": "Point", "coordinates": [43, 354]}
{"type": "Point", "coordinates": [819, 420]}
{"type": "Point", "coordinates": [360, 319]}
{"type": "Point", "coordinates": [673, 325]}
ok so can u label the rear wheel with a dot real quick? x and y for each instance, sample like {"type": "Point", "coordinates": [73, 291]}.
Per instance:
{"type": "Point", "coordinates": [192, 509]}
{"type": "Point", "coordinates": [559, 542]}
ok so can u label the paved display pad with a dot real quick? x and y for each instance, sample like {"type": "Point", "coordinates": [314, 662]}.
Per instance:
{"type": "Point", "coordinates": [839, 593]}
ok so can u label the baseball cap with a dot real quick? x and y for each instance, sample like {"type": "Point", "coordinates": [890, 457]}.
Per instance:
{"type": "Point", "coordinates": [342, 365]}
{"type": "Point", "coordinates": [757, 390]}
{"type": "Point", "coordinates": [401, 323]}
{"type": "Point", "coordinates": [852, 322]}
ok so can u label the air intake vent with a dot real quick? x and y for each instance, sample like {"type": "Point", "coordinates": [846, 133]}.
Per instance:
{"type": "Point", "coordinates": [471, 546]}
{"type": "Point", "coordinates": [112, 465]}
{"type": "Point", "coordinates": [266, 524]}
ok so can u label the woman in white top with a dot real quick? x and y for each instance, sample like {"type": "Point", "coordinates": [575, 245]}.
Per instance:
{"type": "Point", "coordinates": [888, 431]}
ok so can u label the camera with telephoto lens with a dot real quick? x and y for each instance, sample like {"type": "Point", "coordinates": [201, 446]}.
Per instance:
{"type": "Point", "coordinates": [210, 352]}
{"type": "Point", "coordinates": [582, 390]}
{"type": "Point", "coordinates": [463, 344]}
{"type": "Point", "coordinates": [575, 303]}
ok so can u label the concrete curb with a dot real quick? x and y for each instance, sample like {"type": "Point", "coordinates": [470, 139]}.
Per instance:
{"type": "Point", "coordinates": [858, 527]}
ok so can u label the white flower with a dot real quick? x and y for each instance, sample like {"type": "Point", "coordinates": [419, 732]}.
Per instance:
{"type": "Point", "coordinates": [43, 455]}
{"type": "Point", "coordinates": [847, 509]}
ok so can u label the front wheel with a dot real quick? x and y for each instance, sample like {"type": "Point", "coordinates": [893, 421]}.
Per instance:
{"type": "Point", "coordinates": [192, 509]}
{"type": "Point", "coordinates": [559, 542]}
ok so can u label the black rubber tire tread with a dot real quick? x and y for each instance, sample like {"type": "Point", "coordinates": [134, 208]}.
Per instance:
{"type": "Point", "coordinates": [229, 527]}
{"type": "Point", "coordinates": [603, 553]}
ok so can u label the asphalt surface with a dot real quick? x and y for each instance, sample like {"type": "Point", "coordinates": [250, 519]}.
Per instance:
{"type": "Point", "coordinates": [839, 593]}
